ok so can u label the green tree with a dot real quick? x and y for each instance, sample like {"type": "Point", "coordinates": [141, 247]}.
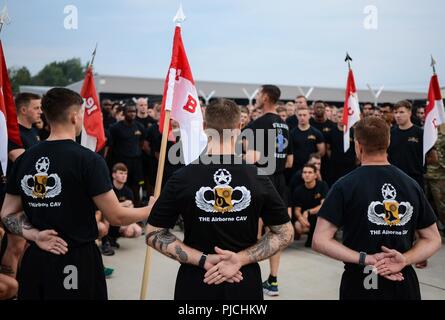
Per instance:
{"type": "Point", "coordinates": [60, 73]}
{"type": "Point", "coordinates": [19, 77]}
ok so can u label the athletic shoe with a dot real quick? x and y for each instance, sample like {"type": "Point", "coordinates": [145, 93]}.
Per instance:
{"type": "Point", "coordinates": [113, 243]}
{"type": "Point", "coordinates": [108, 272]}
{"type": "Point", "coordinates": [106, 249]}
{"type": "Point", "coordinates": [271, 289]}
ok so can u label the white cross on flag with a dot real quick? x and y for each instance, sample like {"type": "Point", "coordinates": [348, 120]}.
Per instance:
{"type": "Point", "coordinates": [351, 111]}
{"type": "Point", "coordinates": [434, 115]}
{"type": "Point", "coordinates": [181, 97]}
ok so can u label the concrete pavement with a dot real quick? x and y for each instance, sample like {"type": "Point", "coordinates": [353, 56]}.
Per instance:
{"type": "Point", "coordinates": [304, 274]}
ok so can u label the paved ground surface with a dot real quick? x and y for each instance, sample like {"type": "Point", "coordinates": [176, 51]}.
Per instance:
{"type": "Point", "coordinates": [304, 274]}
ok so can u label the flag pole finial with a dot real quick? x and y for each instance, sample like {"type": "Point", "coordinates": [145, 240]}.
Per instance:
{"type": "Point", "coordinates": [93, 55]}
{"type": "Point", "coordinates": [180, 16]}
{"type": "Point", "coordinates": [348, 59]}
{"type": "Point", "coordinates": [4, 17]}
{"type": "Point", "coordinates": [433, 64]}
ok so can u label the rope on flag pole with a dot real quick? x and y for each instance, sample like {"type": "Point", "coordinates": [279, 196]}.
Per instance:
{"type": "Point", "coordinates": [178, 19]}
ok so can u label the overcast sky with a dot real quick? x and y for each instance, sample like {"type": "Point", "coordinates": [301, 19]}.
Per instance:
{"type": "Point", "coordinates": [255, 41]}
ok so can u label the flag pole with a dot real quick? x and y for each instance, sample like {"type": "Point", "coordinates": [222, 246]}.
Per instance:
{"type": "Point", "coordinates": [4, 17]}
{"type": "Point", "coordinates": [178, 19]}
{"type": "Point", "coordinates": [93, 55]}
{"type": "Point", "coordinates": [433, 64]}
{"type": "Point", "coordinates": [348, 59]}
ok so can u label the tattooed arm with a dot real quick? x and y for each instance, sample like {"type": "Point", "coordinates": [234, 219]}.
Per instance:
{"type": "Point", "coordinates": [16, 221]}
{"type": "Point", "coordinates": [277, 238]}
{"type": "Point", "coordinates": [168, 244]}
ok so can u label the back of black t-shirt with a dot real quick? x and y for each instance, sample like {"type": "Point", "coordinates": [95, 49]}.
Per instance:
{"type": "Point", "coordinates": [220, 205]}
{"type": "Point", "coordinates": [57, 181]}
{"type": "Point", "coordinates": [377, 206]}
{"type": "Point", "coordinates": [281, 140]}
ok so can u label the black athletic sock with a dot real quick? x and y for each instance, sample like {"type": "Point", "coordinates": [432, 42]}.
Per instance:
{"type": "Point", "coordinates": [272, 279]}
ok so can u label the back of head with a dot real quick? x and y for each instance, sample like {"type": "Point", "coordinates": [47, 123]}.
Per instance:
{"type": "Point", "coordinates": [273, 92]}
{"type": "Point", "coordinates": [57, 103]}
{"type": "Point", "coordinates": [373, 134]}
{"type": "Point", "coordinates": [23, 99]}
{"type": "Point", "coordinates": [222, 114]}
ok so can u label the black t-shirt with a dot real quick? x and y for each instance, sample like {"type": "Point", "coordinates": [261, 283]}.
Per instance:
{"type": "Point", "coordinates": [309, 198]}
{"type": "Point", "coordinates": [377, 206]}
{"type": "Point", "coordinates": [57, 181]}
{"type": "Point", "coordinates": [30, 137]}
{"type": "Point", "coordinates": [406, 150]}
{"type": "Point", "coordinates": [292, 122]}
{"type": "Point", "coordinates": [108, 120]}
{"type": "Point", "coordinates": [220, 205]}
{"type": "Point", "coordinates": [338, 155]}
{"type": "Point", "coordinates": [303, 144]}
{"type": "Point", "coordinates": [123, 194]}
{"type": "Point", "coordinates": [126, 139]}
{"type": "Point", "coordinates": [324, 127]}
{"type": "Point", "coordinates": [282, 148]}
{"type": "Point", "coordinates": [146, 122]}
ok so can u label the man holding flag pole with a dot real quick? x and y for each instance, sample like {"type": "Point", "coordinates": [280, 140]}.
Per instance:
{"type": "Point", "coordinates": [220, 251]}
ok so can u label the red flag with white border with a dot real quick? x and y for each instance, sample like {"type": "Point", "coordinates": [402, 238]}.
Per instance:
{"type": "Point", "coordinates": [181, 97]}
{"type": "Point", "coordinates": [9, 128]}
{"type": "Point", "coordinates": [434, 115]}
{"type": "Point", "coordinates": [351, 111]}
{"type": "Point", "coordinates": [93, 134]}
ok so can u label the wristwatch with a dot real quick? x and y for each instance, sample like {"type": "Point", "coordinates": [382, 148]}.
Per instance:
{"type": "Point", "coordinates": [362, 259]}
{"type": "Point", "coordinates": [202, 260]}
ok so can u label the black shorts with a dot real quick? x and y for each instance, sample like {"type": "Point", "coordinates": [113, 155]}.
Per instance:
{"type": "Point", "coordinates": [190, 285]}
{"type": "Point", "coordinates": [279, 182]}
{"type": "Point", "coordinates": [46, 276]}
{"type": "Point", "coordinates": [353, 286]}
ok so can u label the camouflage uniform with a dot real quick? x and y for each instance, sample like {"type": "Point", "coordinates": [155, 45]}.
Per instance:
{"type": "Point", "coordinates": [435, 178]}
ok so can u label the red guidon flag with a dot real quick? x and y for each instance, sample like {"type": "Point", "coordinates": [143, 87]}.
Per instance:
{"type": "Point", "coordinates": [181, 98]}
{"type": "Point", "coordinates": [9, 128]}
{"type": "Point", "coordinates": [434, 115]}
{"type": "Point", "coordinates": [351, 111]}
{"type": "Point", "coordinates": [93, 134]}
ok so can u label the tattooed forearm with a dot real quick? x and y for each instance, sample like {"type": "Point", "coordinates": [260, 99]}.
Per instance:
{"type": "Point", "coordinates": [276, 239]}
{"type": "Point", "coordinates": [16, 223]}
{"type": "Point", "coordinates": [161, 239]}
{"type": "Point", "coordinates": [182, 255]}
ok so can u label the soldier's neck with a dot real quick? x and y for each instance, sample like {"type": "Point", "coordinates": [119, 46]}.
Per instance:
{"type": "Point", "coordinates": [218, 148]}
{"type": "Point", "coordinates": [62, 133]}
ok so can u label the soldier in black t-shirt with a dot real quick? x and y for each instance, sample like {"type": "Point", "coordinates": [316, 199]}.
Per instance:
{"type": "Point", "coordinates": [28, 107]}
{"type": "Point", "coordinates": [379, 208]}
{"type": "Point", "coordinates": [300, 103]}
{"type": "Point", "coordinates": [306, 201]}
{"type": "Point", "coordinates": [406, 147]}
{"type": "Point", "coordinates": [339, 163]}
{"type": "Point", "coordinates": [51, 197]}
{"type": "Point", "coordinates": [271, 150]}
{"type": "Point", "coordinates": [126, 199]}
{"type": "Point", "coordinates": [127, 137]}
{"type": "Point", "coordinates": [221, 199]}
{"type": "Point", "coordinates": [305, 140]}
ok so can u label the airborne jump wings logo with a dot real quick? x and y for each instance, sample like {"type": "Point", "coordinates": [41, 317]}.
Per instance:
{"type": "Point", "coordinates": [221, 197]}
{"type": "Point", "coordinates": [42, 185]}
{"type": "Point", "coordinates": [391, 213]}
